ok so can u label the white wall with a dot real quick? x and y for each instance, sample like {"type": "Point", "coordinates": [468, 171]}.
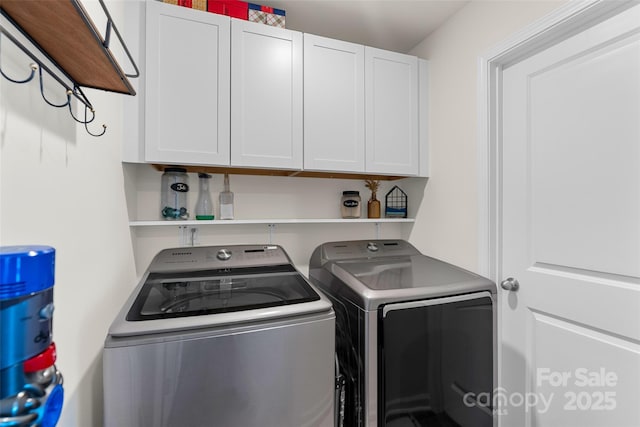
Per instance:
{"type": "Point", "coordinates": [64, 188]}
{"type": "Point", "coordinates": [261, 197]}
{"type": "Point", "coordinates": [447, 222]}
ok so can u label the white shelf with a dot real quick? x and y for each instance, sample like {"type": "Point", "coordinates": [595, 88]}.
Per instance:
{"type": "Point", "coordinates": [161, 223]}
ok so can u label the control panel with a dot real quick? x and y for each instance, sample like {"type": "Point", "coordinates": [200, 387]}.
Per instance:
{"type": "Point", "coordinates": [366, 248]}
{"type": "Point", "coordinates": [216, 257]}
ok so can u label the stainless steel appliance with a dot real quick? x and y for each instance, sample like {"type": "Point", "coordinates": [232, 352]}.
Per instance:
{"type": "Point", "coordinates": [221, 336]}
{"type": "Point", "coordinates": [415, 336]}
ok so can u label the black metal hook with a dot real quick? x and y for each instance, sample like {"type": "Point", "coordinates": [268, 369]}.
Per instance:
{"type": "Point", "coordinates": [104, 127]}
{"type": "Point", "coordinates": [45, 98]}
{"type": "Point", "coordinates": [85, 121]}
{"type": "Point", "coordinates": [87, 108]}
{"type": "Point", "coordinates": [33, 67]}
{"type": "Point", "coordinates": [75, 92]}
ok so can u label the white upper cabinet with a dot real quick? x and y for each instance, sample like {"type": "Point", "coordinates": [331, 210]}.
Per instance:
{"type": "Point", "coordinates": [392, 123]}
{"type": "Point", "coordinates": [219, 91]}
{"type": "Point", "coordinates": [333, 105]}
{"type": "Point", "coordinates": [187, 86]}
{"type": "Point", "coordinates": [266, 96]}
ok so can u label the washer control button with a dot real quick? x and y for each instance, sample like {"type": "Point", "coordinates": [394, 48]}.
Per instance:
{"type": "Point", "coordinates": [372, 247]}
{"type": "Point", "coordinates": [223, 254]}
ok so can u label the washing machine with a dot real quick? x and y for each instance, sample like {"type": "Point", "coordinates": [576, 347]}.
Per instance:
{"type": "Point", "coordinates": [221, 336]}
{"type": "Point", "coordinates": [415, 336]}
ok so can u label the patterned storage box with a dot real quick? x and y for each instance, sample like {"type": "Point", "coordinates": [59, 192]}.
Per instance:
{"type": "Point", "coordinates": [233, 8]}
{"type": "Point", "coordinates": [194, 4]}
{"type": "Point", "coordinates": [199, 4]}
{"type": "Point", "coordinates": [266, 15]}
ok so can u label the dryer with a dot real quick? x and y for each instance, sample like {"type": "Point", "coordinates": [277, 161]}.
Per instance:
{"type": "Point", "coordinates": [415, 336]}
{"type": "Point", "coordinates": [221, 336]}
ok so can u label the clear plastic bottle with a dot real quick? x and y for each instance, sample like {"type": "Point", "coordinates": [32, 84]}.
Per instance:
{"type": "Point", "coordinates": [204, 205]}
{"type": "Point", "coordinates": [226, 200]}
{"type": "Point", "coordinates": [174, 188]}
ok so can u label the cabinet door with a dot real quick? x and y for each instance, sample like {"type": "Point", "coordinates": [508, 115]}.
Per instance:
{"type": "Point", "coordinates": [333, 105]}
{"type": "Point", "coordinates": [187, 86]}
{"type": "Point", "coordinates": [266, 96]}
{"type": "Point", "coordinates": [391, 105]}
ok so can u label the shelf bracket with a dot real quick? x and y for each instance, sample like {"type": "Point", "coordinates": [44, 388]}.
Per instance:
{"type": "Point", "coordinates": [187, 236]}
{"type": "Point", "coordinates": [182, 235]}
{"type": "Point", "coordinates": [107, 40]}
{"type": "Point", "coordinates": [377, 226]}
{"type": "Point", "coordinates": [271, 228]}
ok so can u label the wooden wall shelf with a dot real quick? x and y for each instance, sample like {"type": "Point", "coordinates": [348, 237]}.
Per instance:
{"type": "Point", "coordinates": [279, 172]}
{"type": "Point", "coordinates": [64, 32]}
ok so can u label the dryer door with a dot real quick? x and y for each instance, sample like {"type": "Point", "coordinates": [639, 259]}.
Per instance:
{"type": "Point", "coordinates": [436, 362]}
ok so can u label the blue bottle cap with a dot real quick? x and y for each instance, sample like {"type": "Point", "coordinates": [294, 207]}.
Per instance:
{"type": "Point", "coordinates": [25, 270]}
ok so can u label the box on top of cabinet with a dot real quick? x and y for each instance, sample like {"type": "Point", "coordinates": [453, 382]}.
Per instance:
{"type": "Point", "coordinates": [233, 8]}
{"type": "Point", "coordinates": [267, 15]}
{"type": "Point", "coordinates": [193, 4]}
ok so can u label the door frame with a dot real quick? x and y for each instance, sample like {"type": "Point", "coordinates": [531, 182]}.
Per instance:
{"type": "Point", "coordinates": [567, 20]}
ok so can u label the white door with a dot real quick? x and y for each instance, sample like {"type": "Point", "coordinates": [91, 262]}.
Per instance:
{"type": "Point", "coordinates": [391, 112]}
{"type": "Point", "coordinates": [187, 86]}
{"type": "Point", "coordinates": [333, 105]}
{"type": "Point", "coordinates": [570, 351]}
{"type": "Point", "coordinates": [266, 96]}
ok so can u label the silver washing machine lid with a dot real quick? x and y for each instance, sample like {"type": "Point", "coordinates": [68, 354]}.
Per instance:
{"type": "Point", "coordinates": [168, 295]}
{"type": "Point", "coordinates": [214, 286]}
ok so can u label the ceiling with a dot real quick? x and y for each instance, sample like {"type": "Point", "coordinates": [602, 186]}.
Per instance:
{"type": "Point", "coordinates": [397, 25]}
